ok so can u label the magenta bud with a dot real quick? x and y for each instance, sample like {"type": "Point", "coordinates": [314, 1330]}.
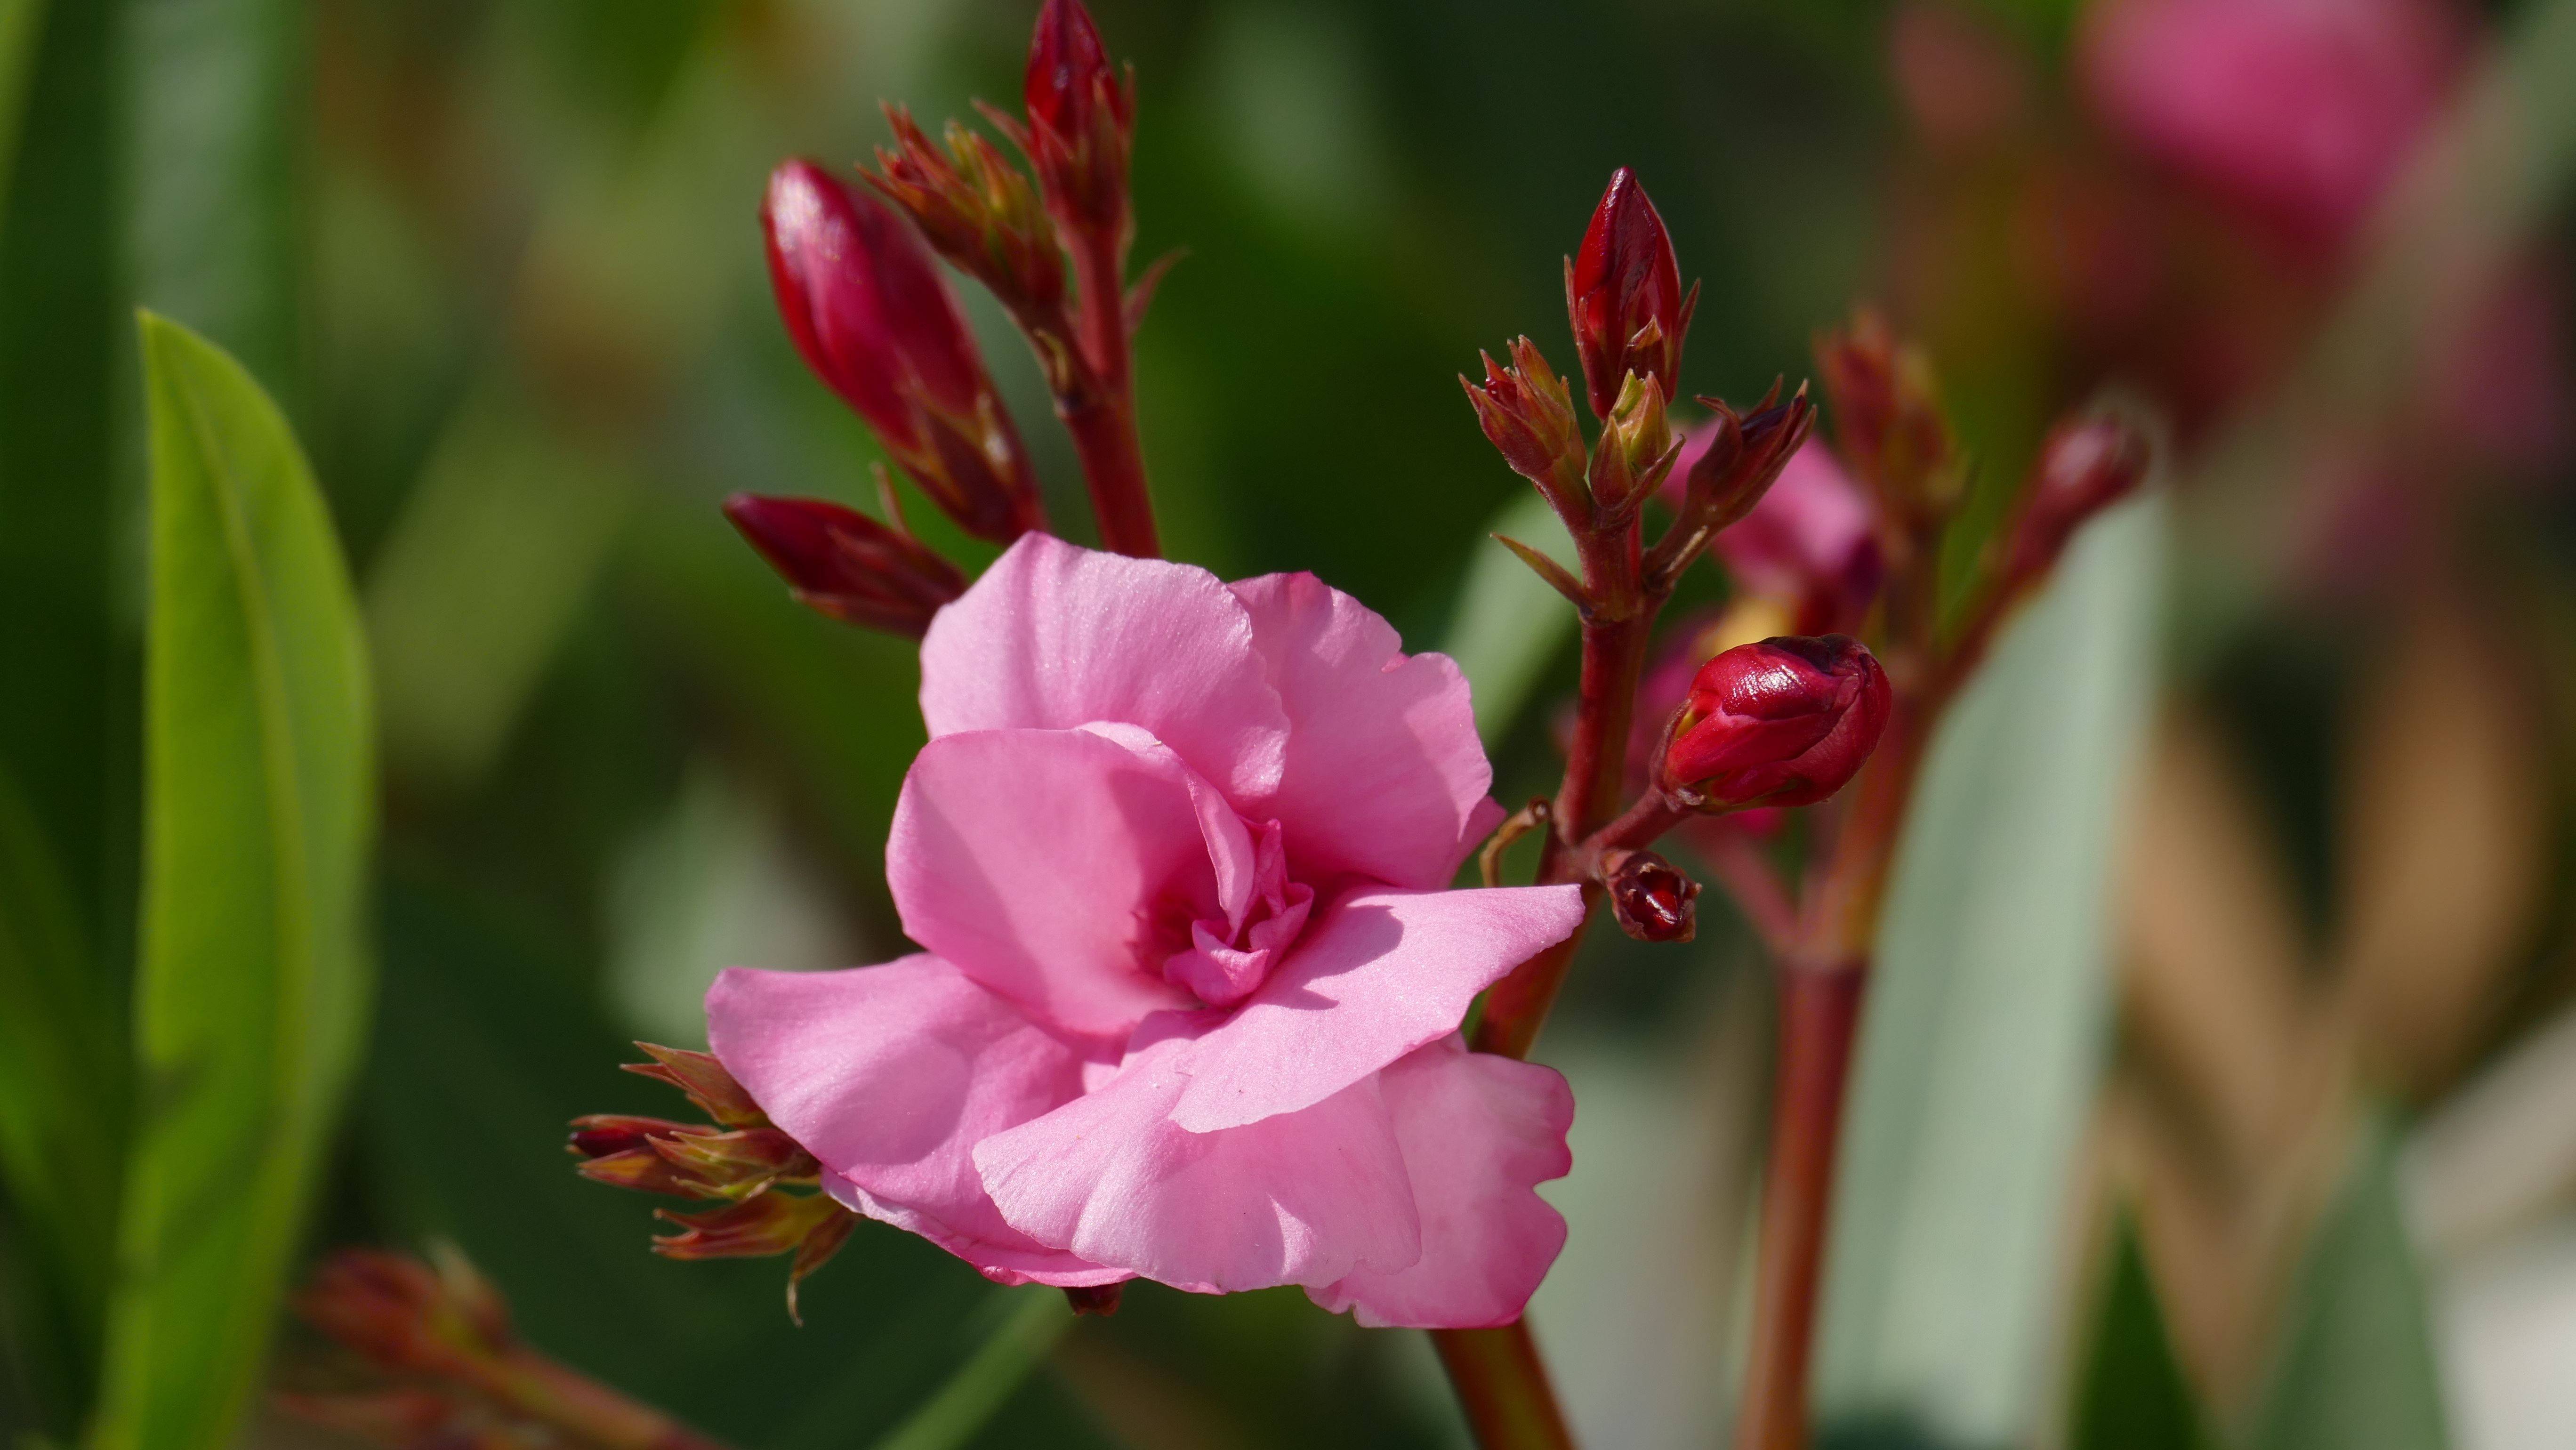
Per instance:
{"type": "Point", "coordinates": [1780, 722]}
{"type": "Point", "coordinates": [1652, 899]}
{"type": "Point", "coordinates": [866, 305]}
{"type": "Point", "coordinates": [1623, 292]}
{"type": "Point", "coordinates": [1082, 113]}
{"type": "Point", "coordinates": [846, 564]}
{"type": "Point", "coordinates": [2084, 467]}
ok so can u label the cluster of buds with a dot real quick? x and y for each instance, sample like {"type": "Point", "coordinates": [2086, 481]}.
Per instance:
{"type": "Point", "coordinates": [444, 1370]}
{"type": "Point", "coordinates": [1779, 722]}
{"type": "Point", "coordinates": [863, 299]}
{"type": "Point", "coordinates": [742, 1160]}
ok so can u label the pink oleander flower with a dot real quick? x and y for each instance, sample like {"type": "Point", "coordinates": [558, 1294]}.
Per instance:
{"type": "Point", "coordinates": [1189, 998]}
{"type": "Point", "coordinates": [1811, 544]}
{"type": "Point", "coordinates": [2301, 109]}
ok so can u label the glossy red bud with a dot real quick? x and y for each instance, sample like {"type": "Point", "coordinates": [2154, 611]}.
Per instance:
{"type": "Point", "coordinates": [1081, 123]}
{"type": "Point", "coordinates": [1780, 722]}
{"type": "Point", "coordinates": [865, 302]}
{"type": "Point", "coordinates": [846, 564]}
{"type": "Point", "coordinates": [2084, 467]}
{"type": "Point", "coordinates": [1623, 292]}
{"type": "Point", "coordinates": [1650, 897]}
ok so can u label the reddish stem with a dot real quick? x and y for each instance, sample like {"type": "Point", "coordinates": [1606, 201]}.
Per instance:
{"type": "Point", "coordinates": [1503, 1387]}
{"type": "Point", "coordinates": [1819, 1008]}
{"type": "Point", "coordinates": [1103, 419]}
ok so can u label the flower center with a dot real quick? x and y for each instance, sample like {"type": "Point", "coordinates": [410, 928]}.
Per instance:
{"type": "Point", "coordinates": [1225, 957]}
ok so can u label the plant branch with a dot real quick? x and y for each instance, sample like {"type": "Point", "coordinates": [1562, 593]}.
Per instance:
{"type": "Point", "coordinates": [1102, 415]}
{"type": "Point", "coordinates": [1503, 1387]}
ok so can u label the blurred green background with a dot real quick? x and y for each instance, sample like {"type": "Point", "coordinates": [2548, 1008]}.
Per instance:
{"type": "Point", "coordinates": [498, 262]}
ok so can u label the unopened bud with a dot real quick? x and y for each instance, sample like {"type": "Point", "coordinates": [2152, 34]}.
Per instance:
{"type": "Point", "coordinates": [404, 1316]}
{"type": "Point", "coordinates": [1082, 114]}
{"type": "Point", "coordinates": [1780, 722]}
{"type": "Point", "coordinates": [847, 565]}
{"type": "Point", "coordinates": [1887, 406]}
{"type": "Point", "coordinates": [976, 209]}
{"type": "Point", "coordinates": [1623, 293]}
{"type": "Point", "coordinates": [1527, 412]}
{"type": "Point", "coordinates": [2084, 467]}
{"type": "Point", "coordinates": [1099, 1300]}
{"type": "Point", "coordinates": [868, 309]}
{"type": "Point", "coordinates": [705, 1081]}
{"type": "Point", "coordinates": [1637, 448]}
{"type": "Point", "coordinates": [1652, 899]}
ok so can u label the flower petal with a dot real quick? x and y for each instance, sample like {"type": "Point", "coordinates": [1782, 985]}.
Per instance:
{"type": "Point", "coordinates": [1303, 1198]}
{"type": "Point", "coordinates": [1054, 636]}
{"type": "Point", "coordinates": [889, 1075]}
{"type": "Point", "coordinates": [1036, 860]}
{"type": "Point", "coordinates": [1479, 1133]}
{"type": "Point", "coordinates": [1379, 974]}
{"type": "Point", "coordinates": [1384, 775]}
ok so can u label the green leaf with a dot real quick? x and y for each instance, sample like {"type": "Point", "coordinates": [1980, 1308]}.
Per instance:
{"type": "Point", "coordinates": [252, 991]}
{"type": "Point", "coordinates": [2356, 1368]}
{"type": "Point", "coordinates": [1982, 1034]}
{"type": "Point", "coordinates": [67, 747]}
{"type": "Point", "coordinates": [2133, 1395]}
{"type": "Point", "coordinates": [1510, 622]}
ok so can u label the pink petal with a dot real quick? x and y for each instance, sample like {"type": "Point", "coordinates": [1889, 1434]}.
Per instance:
{"type": "Point", "coordinates": [1305, 1198]}
{"type": "Point", "coordinates": [1054, 636]}
{"type": "Point", "coordinates": [889, 1075]}
{"type": "Point", "coordinates": [1479, 1132]}
{"type": "Point", "coordinates": [1377, 975]}
{"type": "Point", "coordinates": [1042, 863]}
{"type": "Point", "coordinates": [1384, 777]}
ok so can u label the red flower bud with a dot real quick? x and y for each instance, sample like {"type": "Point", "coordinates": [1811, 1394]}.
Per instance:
{"type": "Point", "coordinates": [1623, 292]}
{"type": "Point", "coordinates": [405, 1316]}
{"type": "Point", "coordinates": [1528, 414]}
{"type": "Point", "coordinates": [2084, 467]}
{"type": "Point", "coordinates": [1781, 722]}
{"type": "Point", "coordinates": [706, 1082]}
{"type": "Point", "coordinates": [1651, 898]}
{"type": "Point", "coordinates": [1082, 113]}
{"type": "Point", "coordinates": [976, 209]}
{"type": "Point", "coordinates": [846, 564]}
{"type": "Point", "coordinates": [867, 307]}
{"type": "Point", "coordinates": [1887, 407]}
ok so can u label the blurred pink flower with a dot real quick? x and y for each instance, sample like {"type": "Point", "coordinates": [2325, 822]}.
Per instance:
{"type": "Point", "coordinates": [2302, 110]}
{"type": "Point", "coordinates": [1189, 1005]}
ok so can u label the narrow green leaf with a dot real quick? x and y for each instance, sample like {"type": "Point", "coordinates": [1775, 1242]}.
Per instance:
{"type": "Point", "coordinates": [2133, 1395]}
{"type": "Point", "coordinates": [259, 814]}
{"type": "Point", "coordinates": [1510, 623]}
{"type": "Point", "coordinates": [1984, 1023]}
{"type": "Point", "coordinates": [2356, 1368]}
{"type": "Point", "coordinates": [1032, 1321]}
